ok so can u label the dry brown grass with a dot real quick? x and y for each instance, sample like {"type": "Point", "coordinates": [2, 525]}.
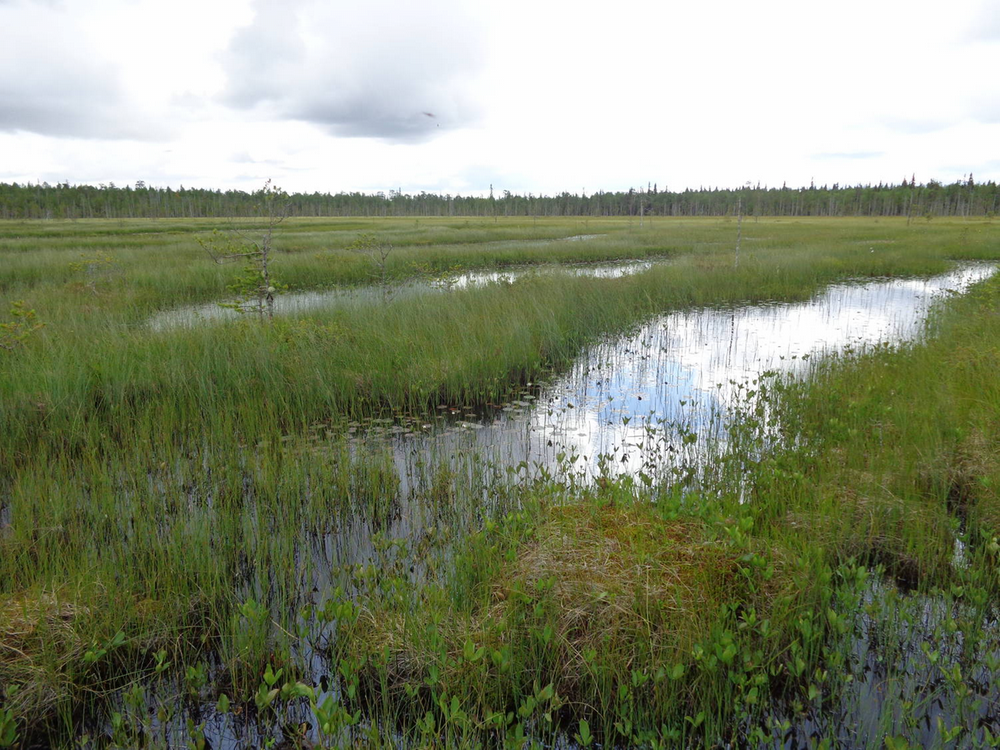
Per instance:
{"type": "Point", "coordinates": [39, 637]}
{"type": "Point", "coordinates": [621, 572]}
{"type": "Point", "coordinates": [45, 637]}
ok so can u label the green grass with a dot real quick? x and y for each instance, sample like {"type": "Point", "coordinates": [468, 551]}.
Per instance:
{"type": "Point", "coordinates": [189, 489]}
{"type": "Point", "coordinates": [648, 618]}
{"type": "Point", "coordinates": [96, 366]}
{"type": "Point", "coordinates": [889, 457]}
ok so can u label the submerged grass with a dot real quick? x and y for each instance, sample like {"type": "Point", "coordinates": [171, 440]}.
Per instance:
{"type": "Point", "coordinates": [180, 488]}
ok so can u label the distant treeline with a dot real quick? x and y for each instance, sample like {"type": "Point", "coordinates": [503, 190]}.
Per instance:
{"type": "Point", "coordinates": [962, 198]}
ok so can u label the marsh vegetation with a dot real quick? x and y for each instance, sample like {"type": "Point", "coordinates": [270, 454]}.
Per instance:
{"type": "Point", "coordinates": [427, 511]}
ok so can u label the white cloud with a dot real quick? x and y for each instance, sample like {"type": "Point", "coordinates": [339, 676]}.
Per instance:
{"type": "Point", "coordinates": [540, 97]}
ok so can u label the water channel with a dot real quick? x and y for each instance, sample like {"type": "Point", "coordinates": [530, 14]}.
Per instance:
{"type": "Point", "coordinates": [301, 302]}
{"type": "Point", "coordinates": [648, 401]}
{"type": "Point", "coordinates": [684, 371]}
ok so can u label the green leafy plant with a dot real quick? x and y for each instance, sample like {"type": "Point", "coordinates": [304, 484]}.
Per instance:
{"type": "Point", "coordinates": [14, 332]}
{"type": "Point", "coordinates": [8, 728]}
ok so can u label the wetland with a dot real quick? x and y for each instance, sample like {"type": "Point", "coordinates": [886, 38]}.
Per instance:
{"type": "Point", "coordinates": [546, 483]}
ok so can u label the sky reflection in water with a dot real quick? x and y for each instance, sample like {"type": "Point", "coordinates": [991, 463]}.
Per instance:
{"type": "Point", "coordinates": [685, 370]}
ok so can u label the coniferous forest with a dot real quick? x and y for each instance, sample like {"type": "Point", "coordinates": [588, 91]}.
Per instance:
{"type": "Point", "coordinates": [910, 199]}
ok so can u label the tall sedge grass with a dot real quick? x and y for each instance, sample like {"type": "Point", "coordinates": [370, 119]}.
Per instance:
{"type": "Point", "coordinates": [179, 488]}
{"type": "Point", "coordinates": [100, 368]}
{"type": "Point", "coordinates": [889, 468]}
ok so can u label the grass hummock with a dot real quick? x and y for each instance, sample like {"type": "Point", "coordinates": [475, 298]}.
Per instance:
{"type": "Point", "coordinates": [634, 611]}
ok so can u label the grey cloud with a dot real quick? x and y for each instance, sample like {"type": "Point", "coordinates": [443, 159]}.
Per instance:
{"type": "Point", "coordinates": [261, 54]}
{"type": "Point", "coordinates": [85, 111]}
{"type": "Point", "coordinates": [51, 83]}
{"type": "Point", "coordinates": [402, 74]}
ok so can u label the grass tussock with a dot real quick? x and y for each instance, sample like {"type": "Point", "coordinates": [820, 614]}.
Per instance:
{"type": "Point", "coordinates": [622, 609]}
{"type": "Point", "coordinates": [974, 476]}
{"type": "Point", "coordinates": [908, 537]}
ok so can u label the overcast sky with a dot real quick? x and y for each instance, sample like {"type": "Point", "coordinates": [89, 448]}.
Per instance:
{"type": "Point", "coordinates": [527, 95]}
